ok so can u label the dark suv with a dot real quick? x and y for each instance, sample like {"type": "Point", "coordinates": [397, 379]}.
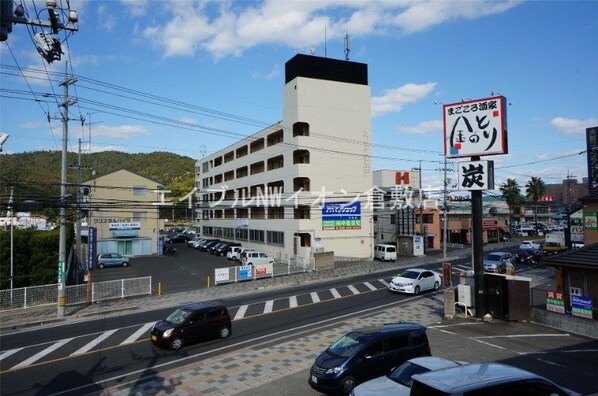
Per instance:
{"type": "Point", "coordinates": [367, 353]}
{"type": "Point", "coordinates": [191, 323]}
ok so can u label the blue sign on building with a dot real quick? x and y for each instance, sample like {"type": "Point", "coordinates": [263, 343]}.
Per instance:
{"type": "Point", "coordinates": [91, 246]}
{"type": "Point", "coordinates": [341, 216]}
{"type": "Point", "coordinates": [581, 306]}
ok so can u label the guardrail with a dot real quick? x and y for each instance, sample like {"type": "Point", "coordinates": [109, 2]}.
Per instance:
{"type": "Point", "coordinates": [26, 297]}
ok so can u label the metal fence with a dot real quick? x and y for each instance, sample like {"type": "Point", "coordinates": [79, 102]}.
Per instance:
{"type": "Point", "coordinates": [27, 297]}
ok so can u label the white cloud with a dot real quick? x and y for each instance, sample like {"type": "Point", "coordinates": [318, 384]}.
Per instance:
{"type": "Point", "coordinates": [394, 99]}
{"type": "Point", "coordinates": [572, 126]}
{"type": "Point", "coordinates": [268, 75]}
{"type": "Point", "coordinates": [422, 128]}
{"type": "Point", "coordinates": [31, 124]}
{"type": "Point", "coordinates": [229, 28]}
{"type": "Point", "coordinates": [99, 148]}
{"type": "Point", "coordinates": [119, 132]}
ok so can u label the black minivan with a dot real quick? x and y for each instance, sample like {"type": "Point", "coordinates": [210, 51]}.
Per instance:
{"type": "Point", "coordinates": [367, 353]}
{"type": "Point", "coordinates": [192, 323]}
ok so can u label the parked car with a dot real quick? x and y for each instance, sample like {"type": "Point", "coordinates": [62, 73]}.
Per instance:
{"type": "Point", "coordinates": [204, 246]}
{"type": "Point", "coordinates": [530, 245]}
{"type": "Point", "coordinates": [385, 252]}
{"type": "Point", "coordinates": [195, 244]}
{"type": "Point", "coordinates": [213, 247]}
{"type": "Point", "coordinates": [528, 256]}
{"type": "Point", "coordinates": [256, 258]}
{"type": "Point", "coordinates": [223, 250]}
{"type": "Point", "coordinates": [237, 254]}
{"type": "Point", "coordinates": [415, 280]}
{"type": "Point", "coordinates": [367, 353]}
{"type": "Point", "coordinates": [233, 253]}
{"type": "Point", "coordinates": [112, 260]}
{"type": "Point", "coordinates": [498, 262]}
{"type": "Point", "coordinates": [192, 242]}
{"type": "Point", "coordinates": [191, 323]}
{"type": "Point", "coordinates": [180, 238]}
{"type": "Point", "coordinates": [484, 379]}
{"type": "Point", "coordinates": [398, 382]}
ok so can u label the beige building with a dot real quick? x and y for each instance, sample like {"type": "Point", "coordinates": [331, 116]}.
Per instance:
{"type": "Point", "coordinates": [124, 212]}
{"type": "Point", "coordinates": [303, 183]}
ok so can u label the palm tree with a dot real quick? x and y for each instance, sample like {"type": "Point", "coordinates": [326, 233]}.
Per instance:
{"type": "Point", "coordinates": [511, 192]}
{"type": "Point", "coordinates": [534, 190]}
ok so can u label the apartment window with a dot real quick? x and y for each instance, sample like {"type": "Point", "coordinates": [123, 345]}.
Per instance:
{"type": "Point", "coordinates": [300, 129]}
{"type": "Point", "coordinates": [275, 162]}
{"type": "Point", "coordinates": [428, 218]}
{"type": "Point", "coordinates": [302, 212]}
{"type": "Point", "coordinates": [205, 166]}
{"type": "Point", "coordinates": [275, 138]}
{"type": "Point", "coordinates": [140, 190]}
{"type": "Point", "coordinates": [301, 157]}
{"type": "Point", "coordinates": [393, 219]}
{"type": "Point", "coordinates": [242, 151]}
{"type": "Point", "coordinates": [217, 161]}
{"type": "Point", "coordinates": [275, 237]}
{"type": "Point", "coordinates": [256, 145]}
{"type": "Point", "coordinates": [301, 184]}
{"type": "Point", "coordinates": [241, 172]}
{"type": "Point", "coordinates": [230, 175]}
{"type": "Point", "coordinates": [257, 167]}
{"type": "Point", "coordinates": [256, 236]}
{"type": "Point", "coordinates": [276, 213]}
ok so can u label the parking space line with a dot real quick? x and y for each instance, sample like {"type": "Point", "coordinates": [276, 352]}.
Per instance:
{"type": "Point", "coordinates": [385, 283]}
{"type": "Point", "coordinates": [293, 302]}
{"type": "Point", "coordinates": [335, 293]}
{"type": "Point", "coordinates": [241, 312]}
{"type": "Point", "coordinates": [370, 286]}
{"type": "Point", "coordinates": [10, 352]}
{"type": "Point", "coordinates": [314, 297]}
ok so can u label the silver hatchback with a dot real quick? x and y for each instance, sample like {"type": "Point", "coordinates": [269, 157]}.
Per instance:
{"type": "Point", "coordinates": [112, 260]}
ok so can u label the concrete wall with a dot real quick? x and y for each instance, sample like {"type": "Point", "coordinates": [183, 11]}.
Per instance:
{"type": "Point", "coordinates": [571, 324]}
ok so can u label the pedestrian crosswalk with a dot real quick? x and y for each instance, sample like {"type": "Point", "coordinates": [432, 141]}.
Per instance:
{"type": "Point", "coordinates": [20, 358]}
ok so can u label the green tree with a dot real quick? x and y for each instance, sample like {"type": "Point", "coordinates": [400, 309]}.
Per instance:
{"type": "Point", "coordinates": [511, 192]}
{"type": "Point", "coordinates": [534, 190]}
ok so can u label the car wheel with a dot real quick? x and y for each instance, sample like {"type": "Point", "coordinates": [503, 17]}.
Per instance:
{"type": "Point", "coordinates": [416, 290]}
{"type": "Point", "coordinates": [436, 285]}
{"type": "Point", "coordinates": [225, 332]}
{"type": "Point", "coordinates": [125, 264]}
{"type": "Point", "coordinates": [347, 384]}
{"type": "Point", "coordinates": [100, 265]}
{"type": "Point", "coordinates": [176, 344]}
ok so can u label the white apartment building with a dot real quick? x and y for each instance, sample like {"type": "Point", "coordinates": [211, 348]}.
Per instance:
{"type": "Point", "coordinates": [302, 184]}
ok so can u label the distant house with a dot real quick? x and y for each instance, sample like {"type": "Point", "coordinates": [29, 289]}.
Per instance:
{"type": "Point", "coordinates": [124, 212]}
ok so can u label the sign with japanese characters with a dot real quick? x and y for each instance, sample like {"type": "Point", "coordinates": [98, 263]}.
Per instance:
{"type": "Point", "coordinates": [592, 146]}
{"type": "Point", "coordinates": [341, 216]}
{"type": "Point", "coordinates": [476, 175]}
{"type": "Point", "coordinates": [555, 302]}
{"type": "Point", "coordinates": [475, 128]}
{"type": "Point", "coordinates": [581, 306]}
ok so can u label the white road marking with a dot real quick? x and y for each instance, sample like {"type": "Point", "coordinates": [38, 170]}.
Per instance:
{"type": "Point", "coordinates": [94, 342]}
{"type": "Point", "coordinates": [385, 283]}
{"type": "Point", "coordinates": [525, 335]}
{"type": "Point", "coordinates": [314, 297]}
{"type": "Point", "coordinates": [293, 301]}
{"type": "Point", "coordinates": [370, 286]}
{"type": "Point", "coordinates": [551, 363]}
{"type": "Point", "coordinates": [135, 336]}
{"type": "Point", "coordinates": [268, 307]}
{"type": "Point", "coordinates": [241, 312]}
{"type": "Point", "coordinates": [353, 289]}
{"type": "Point", "coordinates": [487, 343]}
{"type": "Point", "coordinates": [41, 354]}
{"type": "Point", "coordinates": [335, 293]}
{"type": "Point", "coordinates": [6, 354]}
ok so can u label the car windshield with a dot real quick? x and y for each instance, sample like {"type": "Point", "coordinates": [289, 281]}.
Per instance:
{"type": "Point", "coordinates": [410, 274]}
{"type": "Point", "coordinates": [347, 345]}
{"type": "Point", "coordinates": [178, 316]}
{"type": "Point", "coordinates": [493, 257]}
{"type": "Point", "coordinates": [402, 374]}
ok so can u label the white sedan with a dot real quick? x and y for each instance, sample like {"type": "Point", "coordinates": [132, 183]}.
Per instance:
{"type": "Point", "coordinates": [415, 280]}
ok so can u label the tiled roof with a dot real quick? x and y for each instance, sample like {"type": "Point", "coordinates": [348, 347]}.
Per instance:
{"type": "Point", "coordinates": [586, 257]}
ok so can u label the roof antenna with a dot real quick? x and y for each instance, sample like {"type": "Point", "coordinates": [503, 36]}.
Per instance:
{"type": "Point", "coordinates": [325, 44]}
{"type": "Point", "coordinates": [347, 49]}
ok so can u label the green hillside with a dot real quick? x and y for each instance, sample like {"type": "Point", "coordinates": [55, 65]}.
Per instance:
{"type": "Point", "coordinates": [36, 175]}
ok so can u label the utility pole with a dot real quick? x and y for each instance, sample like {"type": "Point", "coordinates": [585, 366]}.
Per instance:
{"type": "Point", "coordinates": [78, 230]}
{"type": "Point", "coordinates": [445, 212]}
{"type": "Point", "coordinates": [63, 181]}
{"type": "Point", "coordinates": [10, 207]}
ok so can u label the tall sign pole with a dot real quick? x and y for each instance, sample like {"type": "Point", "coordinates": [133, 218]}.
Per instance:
{"type": "Point", "coordinates": [474, 129]}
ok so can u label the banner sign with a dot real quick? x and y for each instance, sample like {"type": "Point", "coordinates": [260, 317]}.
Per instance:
{"type": "Point", "coordinates": [592, 146]}
{"type": "Point", "coordinates": [341, 216]}
{"type": "Point", "coordinates": [581, 306]}
{"type": "Point", "coordinates": [475, 128]}
{"type": "Point", "coordinates": [476, 175]}
{"type": "Point", "coordinates": [555, 302]}
{"type": "Point", "coordinates": [124, 226]}
{"type": "Point", "coordinates": [91, 246]}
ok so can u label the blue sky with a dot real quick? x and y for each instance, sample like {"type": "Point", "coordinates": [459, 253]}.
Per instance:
{"type": "Point", "coordinates": [193, 77]}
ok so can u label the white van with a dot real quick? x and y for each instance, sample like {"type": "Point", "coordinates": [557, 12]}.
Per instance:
{"type": "Point", "coordinates": [256, 258]}
{"type": "Point", "coordinates": [385, 252]}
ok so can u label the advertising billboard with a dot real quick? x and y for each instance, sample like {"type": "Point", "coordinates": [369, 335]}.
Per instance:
{"type": "Point", "coordinates": [341, 216]}
{"type": "Point", "coordinates": [475, 128]}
